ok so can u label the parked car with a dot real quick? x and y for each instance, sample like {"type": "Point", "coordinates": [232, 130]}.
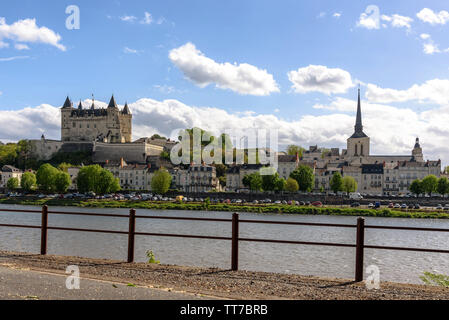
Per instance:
{"type": "Point", "coordinates": [391, 205]}
{"type": "Point", "coordinates": [403, 206]}
{"type": "Point", "coordinates": [417, 206]}
{"type": "Point", "coordinates": [439, 207]}
{"type": "Point", "coordinates": [377, 205]}
{"type": "Point", "coordinates": [355, 204]}
{"type": "Point", "coordinates": [317, 204]}
{"type": "Point", "coordinates": [371, 205]}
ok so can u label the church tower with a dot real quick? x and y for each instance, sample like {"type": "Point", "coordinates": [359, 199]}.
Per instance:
{"type": "Point", "coordinates": [358, 143]}
{"type": "Point", "coordinates": [417, 152]}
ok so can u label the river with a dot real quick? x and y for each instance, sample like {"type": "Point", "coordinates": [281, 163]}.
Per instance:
{"type": "Point", "coordinates": [399, 266]}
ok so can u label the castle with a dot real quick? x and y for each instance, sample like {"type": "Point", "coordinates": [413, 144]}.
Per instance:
{"type": "Point", "coordinates": [110, 125]}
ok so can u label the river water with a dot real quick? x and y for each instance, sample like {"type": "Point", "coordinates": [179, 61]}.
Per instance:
{"type": "Point", "coordinates": [399, 266]}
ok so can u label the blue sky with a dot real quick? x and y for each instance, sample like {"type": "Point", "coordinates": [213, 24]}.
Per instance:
{"type": "Point", "coordinates": [114, 54]}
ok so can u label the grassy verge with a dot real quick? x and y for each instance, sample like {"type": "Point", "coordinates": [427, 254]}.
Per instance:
{"type": "Point", "coordinates": [271, 208]}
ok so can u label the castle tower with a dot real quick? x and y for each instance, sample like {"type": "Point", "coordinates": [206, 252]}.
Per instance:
{"type": "Point", "coordinates": [417, 154]}
{"type": "Point", "coordinates": [358, 144]}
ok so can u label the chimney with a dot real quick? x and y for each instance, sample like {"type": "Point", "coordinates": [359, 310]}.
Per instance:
{"type": "Point", "coordinates": [107, 161]}
{"type": "Point", "coordinates": [121, 163]}
{"type": "Point", "coordinates": [149, 165]}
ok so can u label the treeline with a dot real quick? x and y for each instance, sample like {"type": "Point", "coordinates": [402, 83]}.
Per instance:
{"type": "Point", "coordinates": [430, 184]}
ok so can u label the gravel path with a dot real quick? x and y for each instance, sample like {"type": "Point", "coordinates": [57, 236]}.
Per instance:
{"type": "Point", "coordinates": [221, 283]}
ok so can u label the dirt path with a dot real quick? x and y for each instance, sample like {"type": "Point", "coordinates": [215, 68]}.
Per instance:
{"type": "Point", "coordinates": [219, 282]}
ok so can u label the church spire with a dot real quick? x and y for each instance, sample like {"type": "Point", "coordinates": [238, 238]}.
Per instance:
{"type": "Point", "coordinates": [358, 128]}
{"type": "Point", "coordinates": [358, 121]}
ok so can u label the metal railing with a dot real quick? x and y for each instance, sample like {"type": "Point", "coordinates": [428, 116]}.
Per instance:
{"type": "Point", "coordinates": [235, 238]}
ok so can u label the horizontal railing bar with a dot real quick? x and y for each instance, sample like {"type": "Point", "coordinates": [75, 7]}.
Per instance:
{"type": "Point", "coordinates": [184, 218]}
{"type": "Point", "coordinates": [17, 210]}
{"type": "Point", "coordinates": [407, 249]}
{"type": "Point", "coordinates": [181, 236]}
{"type": "Point", "coordinates": [407, 228]}
{"type": "Point", "coordinates": [19, 226]}
{"type": "Point", "coordinates": [300, 242]}
{"type": "Point", "coordinates": [301, 223]}
{"type": "Point", "coordinates": [90, 214]}
{"type": "Point", "coordinates": [87, 230]}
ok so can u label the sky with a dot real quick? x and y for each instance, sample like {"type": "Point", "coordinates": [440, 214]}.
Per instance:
{"type": "Point", "coordinates": [291, 66]}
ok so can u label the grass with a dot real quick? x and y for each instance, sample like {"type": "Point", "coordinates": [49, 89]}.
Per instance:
{"type": "Point", "coordinates": [268, 208]}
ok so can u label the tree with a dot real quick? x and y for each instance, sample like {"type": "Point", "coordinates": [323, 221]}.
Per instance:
{"type": "Point", "coordinates": [87, 178]}
{"type": "Point", "coordinates": [279, 184]}
{"type": "Point", "coordinates": [256, 181]}
{"type": "Point", "coordinates": [106, 182]}
{"type": "Point", "coordinates": [429, 184]}
{"type": "Point", "coordinates": [269, 181]}
{"type": "Point", "coordinates": [46, 176]}
{"type": "Point", "coordinates": [304, 176]}
{"type": "Point", "coordinates": [28, 181]}
{"type": "Point", "coordinates": [291, 185]}
{"type": "Point", "coordinates": [62, 181]}
{"type": "Point", "coordinates": [247, 180]}
{"type": "Point", "coordinates": [160, 183]}
{"type": "Point", "coordinates": [349, 184]}
{"type": "Point", "coordinates": [292, 150]}
{"type": "Point", "coordinates": [443, 186]}
{"type": "Point", "coordinates": [13, 183]}
{"type": "Point", "coordinates": [416, 187]}
{"type": "Point", "coordinates": [94, 178]}
{"type": "Point", "coordinates": [336, 182]}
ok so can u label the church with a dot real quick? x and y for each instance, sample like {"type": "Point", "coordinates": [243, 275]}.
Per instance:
{"type": "Point", "coordinates": [375, 174]}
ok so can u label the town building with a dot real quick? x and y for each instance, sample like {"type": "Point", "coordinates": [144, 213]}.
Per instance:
{"type": "Point", "coordinates": [9, 172]}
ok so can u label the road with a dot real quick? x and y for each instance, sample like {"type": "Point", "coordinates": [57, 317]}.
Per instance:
{"type": "Point", "coordinates": [19, 284]}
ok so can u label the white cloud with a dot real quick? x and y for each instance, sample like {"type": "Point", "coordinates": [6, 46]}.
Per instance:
{"type": "Point", "coordinates": [13, 58]}
{"type": "Point", "coordinates": [129, 50]}
{"type": "Point", "coordinates": [434, 91]}
{"type": "Point", "coordinates": [27, 31]}
{"type": "Point", "coordinates": [147, 19]}
{"type": "Point", "coordinates": [398, 21]}
{"type": "Point", "coordinates": [21, 46]}
{"type": "Point", "coordinates": [337, 15]}
{"type": "Point", "coordinates": [128, 18]}
{"type": "Point", "coordinates": [429, 16]}
{"type": "Point", "coordinates": [242, 78]}
{"type": "Point", "coordinates": [320, 79]}
{"type": "Point", "coordinates": [392, 130]}
{"type": "Point", "coordinates": [430, 48]}
{"type": "Point", "coordinates": [3, 44]}
{"type": "Point", "coordinates": [368, 21]}
{"type": "Point", "coordinates": [425, 36]}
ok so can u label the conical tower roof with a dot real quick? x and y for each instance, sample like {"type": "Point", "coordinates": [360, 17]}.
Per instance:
{"type": "Point", "coordinates": [67, 103]}
{"type": "Point", "coordinates": [126, 109]}
{"type": "Point", "coordinates": [358, 128]}
{"type": "Point", "coordinates": [112, 103]}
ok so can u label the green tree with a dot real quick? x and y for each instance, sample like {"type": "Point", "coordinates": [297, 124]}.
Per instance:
{"type": "Point", "coordinates": [291, 185]}
{"type": "Point", "coordinates": [304, 176]}
{"type": "Point", "coordinates": [160, 183]}
{"type": "Point", "coordinates": [28, 181]}
{"type": "Point", "coordinates": [255, 181]}
{"type": "Point", "coordinates": [106, 182]}
{"type": "Point", "coordinates": [443, 186]}
{"type": "Point", "coordinates": [269, 181]}
{"type": "Point", "coordinates": [280, 184]}
{"type": "Point", "coordinates": [429, 184]}
{"type": "Point", "coordinates": [62, 182]}
{"type": "Point", "coordinates": [293, 150]}
{"type": "Point", "coordinates": [87, 179]}
{"type": "Point", "coordinates": [416, 187]}
{"type": "Point", "coordinates": [336, 182]}
{"type": "Point", "coordinates": [64, 166]}
{"type": "Point", "coordinates": [349, 184]}
{"type": "Point", "coordinates": [46, 176]}
{"type": "Point", "coordinates": [12, 183]}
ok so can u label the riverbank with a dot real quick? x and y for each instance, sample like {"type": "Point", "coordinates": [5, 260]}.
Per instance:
{"type": "Point", "coordinates": [253, 208]}
{"type": "Point", "coordinates": [219, 282]}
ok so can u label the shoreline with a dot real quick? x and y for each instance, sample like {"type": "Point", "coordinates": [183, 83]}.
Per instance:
{"type": "Point", "coordinates": [222, 283]}
{"type": "Point", "coordinates": [270, 208]}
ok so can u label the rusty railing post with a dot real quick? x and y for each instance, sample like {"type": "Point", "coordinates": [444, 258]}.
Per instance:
{"type": "Point", "coordinates": [44, 230]}
{"type": "Point", "coordinates": [131, 235]}
{"type": "Point", "coordinates": [235, 242]}
{"type": "Point", "coordinates": [360, 245]}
